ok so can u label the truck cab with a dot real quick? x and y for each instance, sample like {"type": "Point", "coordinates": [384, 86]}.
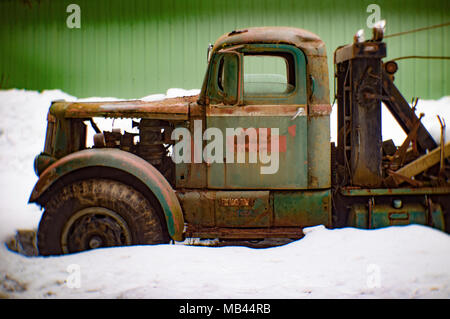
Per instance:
{"type": "Point", "coordinates": [265, 95]}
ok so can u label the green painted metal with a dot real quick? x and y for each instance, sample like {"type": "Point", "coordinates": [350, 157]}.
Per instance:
{"type": "Point", "coordinates": [302, 208]}
{"type": "Point", "coordinates": [41, 162]}
{"type": "Point", "coordinates": [440, 190]}
{"type": "Point", "coordinates": [130, 49]}
{"type": "Point", "coordinates": [198, 207]}
{"type": "Point", "coordinates": [383, 215]}
{"type": "Point", "coordinates": [231, 69]}
{"type": "Point", "coordinates": [295, 134]}
{"type": "Point", "coordinates": [226, 109]}
{"type": "Point", "coordinates": [319, 152]}
{"type": "Point", "coordinates": [293, 149]}
{"type": "Point", "coordinates": [209, 208]}
{"type": "Point", "coordinates": [70, 137]}
{"type": "Point", "coordinates": [124, 161]}
{"type": "Point", "coordinates": [243, 209]}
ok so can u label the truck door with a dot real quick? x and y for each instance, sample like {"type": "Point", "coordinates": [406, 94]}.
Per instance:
{"type": "Point", "coordinates": [260, 113]}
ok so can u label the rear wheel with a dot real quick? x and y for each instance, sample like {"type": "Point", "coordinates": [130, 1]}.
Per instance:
{"type": "Point", "coordinates": [96, 213]}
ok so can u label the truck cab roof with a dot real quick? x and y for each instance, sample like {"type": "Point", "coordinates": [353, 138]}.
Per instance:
{"type": "Point", "coordinates": [308, 42]}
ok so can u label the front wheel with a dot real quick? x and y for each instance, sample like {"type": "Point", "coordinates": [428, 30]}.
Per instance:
{"type": "Point", "coordinates": [96, 213]}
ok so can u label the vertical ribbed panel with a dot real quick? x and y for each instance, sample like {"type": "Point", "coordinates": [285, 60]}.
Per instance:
{"type": "Point", "coordinates": [133, 48]}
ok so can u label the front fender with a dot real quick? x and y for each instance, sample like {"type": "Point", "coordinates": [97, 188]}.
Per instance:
{"type": "Point", "coordinates": [127, 162]}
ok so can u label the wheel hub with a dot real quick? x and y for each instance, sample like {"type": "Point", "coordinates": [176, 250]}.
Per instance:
{"type": "Point", "coordinates": [95, 242]}
{"type": "Point", "coordinates": [92, 228]}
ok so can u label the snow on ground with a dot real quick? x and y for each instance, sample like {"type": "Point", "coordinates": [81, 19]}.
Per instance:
{"type": "Point", "coordinates": [408, 262]}
{"type": "Point", "coordinates": [394, 262]}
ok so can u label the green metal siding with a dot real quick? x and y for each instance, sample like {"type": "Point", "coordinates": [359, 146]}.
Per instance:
{"type": "Point", "coordinates": [130, 49]}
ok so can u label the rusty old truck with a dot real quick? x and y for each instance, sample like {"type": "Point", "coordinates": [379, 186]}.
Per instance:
{"type": "Point", "coordinates": [270, 87]}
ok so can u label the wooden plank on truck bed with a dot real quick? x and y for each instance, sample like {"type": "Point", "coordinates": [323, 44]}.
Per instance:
{"type": "Point", "coordinates": [424, 162]}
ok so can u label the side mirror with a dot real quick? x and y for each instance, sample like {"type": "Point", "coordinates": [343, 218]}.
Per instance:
{"type": "Point", "coordinates": [208, 55]}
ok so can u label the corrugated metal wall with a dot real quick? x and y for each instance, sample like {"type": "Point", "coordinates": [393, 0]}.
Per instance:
{"type": "Point", "coordinates": [133, 48]}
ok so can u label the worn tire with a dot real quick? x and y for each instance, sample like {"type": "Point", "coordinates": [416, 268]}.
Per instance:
{"type": "Point", "coordinates": [112, 213]}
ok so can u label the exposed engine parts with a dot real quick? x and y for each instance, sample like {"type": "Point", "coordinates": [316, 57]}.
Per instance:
{"type": "Point", "coordinates": [153, 143]}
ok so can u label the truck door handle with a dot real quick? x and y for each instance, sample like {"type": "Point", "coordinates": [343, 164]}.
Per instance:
{"type": "Point", "coordinates": [300, 111]}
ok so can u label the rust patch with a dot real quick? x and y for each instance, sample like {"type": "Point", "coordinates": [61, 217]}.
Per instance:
{"type": "Point", "coordinates": [171, 108]}
{"type": "Point", "coordinates": [256, 110]}
{"type": "Point", "coordinates": [239, 233]}
{"type": "Point", "coordinates": [237, 202]}
{"type": "Point", "coordinates": [303, 39]}
{"type": "Point", "coordinates": [320, 109]}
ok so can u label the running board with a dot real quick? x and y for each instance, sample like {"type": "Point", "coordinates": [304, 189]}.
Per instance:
{"type": "Point", "coordinates": [195, 231]}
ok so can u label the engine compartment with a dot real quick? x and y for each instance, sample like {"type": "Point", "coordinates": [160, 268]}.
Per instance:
{"type": "Point", "coordinates": [149, 139]}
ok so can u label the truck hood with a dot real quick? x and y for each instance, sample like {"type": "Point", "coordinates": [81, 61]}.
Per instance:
{"type": "Point", "coordinates": [167, 109]}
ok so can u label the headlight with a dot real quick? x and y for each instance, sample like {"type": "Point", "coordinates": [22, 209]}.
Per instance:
{"type": "Point", "coordinates": [41, 162]}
